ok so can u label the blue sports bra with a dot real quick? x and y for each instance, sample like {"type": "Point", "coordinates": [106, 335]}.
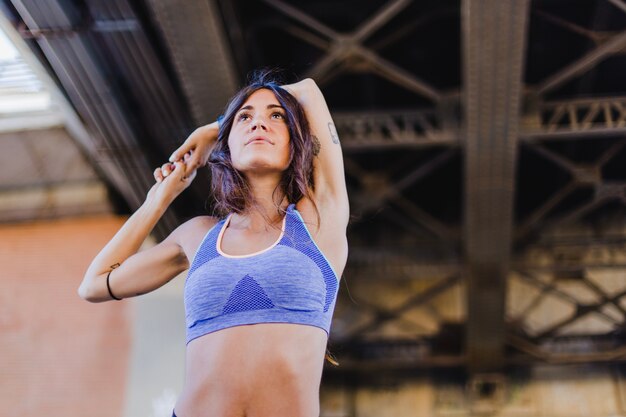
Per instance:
{"type": "Point", "coordinates": [288, 282]}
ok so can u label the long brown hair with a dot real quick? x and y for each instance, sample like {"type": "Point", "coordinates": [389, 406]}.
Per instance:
{"type": "Point", "coordinates": [230, 189]}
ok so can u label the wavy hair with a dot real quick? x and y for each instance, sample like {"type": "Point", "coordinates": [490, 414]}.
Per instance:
{"type": "Point", "coordinates": [231, 191]}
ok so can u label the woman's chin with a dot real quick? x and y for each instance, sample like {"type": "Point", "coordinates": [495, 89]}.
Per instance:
{"type": "Point", "coordinates": [262, 169]}
{"type": "Point", "coordinates": [259, 166]}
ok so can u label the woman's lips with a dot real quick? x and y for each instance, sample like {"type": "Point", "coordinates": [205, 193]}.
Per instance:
{"type": "Point", "coordinates": [258, 139]}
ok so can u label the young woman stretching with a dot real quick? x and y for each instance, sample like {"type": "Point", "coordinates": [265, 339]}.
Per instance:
{"type": "Point", "coordinates": [263, 274]}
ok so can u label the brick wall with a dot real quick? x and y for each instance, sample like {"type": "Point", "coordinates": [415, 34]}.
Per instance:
{"type": "Point", "coordinates": [59, 355]}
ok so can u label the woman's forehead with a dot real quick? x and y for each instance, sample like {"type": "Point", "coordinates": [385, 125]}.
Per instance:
{"type": "Point", "coordinates": [261, 99]}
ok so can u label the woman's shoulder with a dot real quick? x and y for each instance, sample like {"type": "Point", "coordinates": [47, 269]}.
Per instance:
{"type": "Point", "coordinates": [198, 224]}
{"type": "Point", "coordinates": [191, 233]}
{"type": "Point", "coordinates": [201, 221]}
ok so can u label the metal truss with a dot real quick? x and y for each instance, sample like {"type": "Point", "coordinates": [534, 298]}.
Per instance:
{"type": "Point", "coordinates": [582, 175]}
{"type": "Point", "coordinates": [585, 63]}
{"type": "Point", "coordinates": [541, 121]}
{"type": "Point", "coordinates": [410, 129]}
{"type": "Point", "coordinates": [552, 120]}
{"type": "Point", "coordinates": [381, 316]}
{"type": "Point", "coordinates": [345, 50]}
{"type": "Point", "coordinates": [405, 357]}
{"type": "Point", "coordinates": [376, 191]}
{"type": "Point", "coordinates": [572, 119]}
{"type": "Point", "coordinates": [456, 125]}
{"type": "Point", "coordinates": [548, 345]}
{"type": "Point", "coordinates": [571, 259]}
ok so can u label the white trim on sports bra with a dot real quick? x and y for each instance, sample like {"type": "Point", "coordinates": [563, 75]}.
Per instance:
{"type": "Point", "coordinates": [218, 241]}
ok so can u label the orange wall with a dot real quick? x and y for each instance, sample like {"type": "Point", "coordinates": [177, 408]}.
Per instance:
{"type": "Point", "coordinates": [59, 355]}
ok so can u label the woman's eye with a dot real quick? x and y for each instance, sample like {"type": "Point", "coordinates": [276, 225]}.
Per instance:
{"type": "Point", "coordinates": [243, 116]}
{"type": "Point", "coordinates": [278, 116]}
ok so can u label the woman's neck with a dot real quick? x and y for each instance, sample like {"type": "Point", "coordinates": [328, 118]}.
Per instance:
{"type": "Point", "coordinates": [269, 208]}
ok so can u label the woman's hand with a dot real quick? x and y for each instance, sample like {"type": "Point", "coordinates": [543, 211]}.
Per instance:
{"type": "Point", "coordinates": [171, 180]}
{"type": "Point", "coordinates": [199, 145]}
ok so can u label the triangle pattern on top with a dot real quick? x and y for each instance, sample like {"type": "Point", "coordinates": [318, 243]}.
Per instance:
{"type": "Point", "coordinates": [246, 296]}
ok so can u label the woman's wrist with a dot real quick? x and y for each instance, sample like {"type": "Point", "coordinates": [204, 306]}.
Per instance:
{"type": "Point", "coordinates": [155, 205]}
{"type": "Point", "coordinates": [300, 89]}
{"type": "Point", "coordinates": [213, 129]}
{"type": "Point", "coordinates": [207, 133]}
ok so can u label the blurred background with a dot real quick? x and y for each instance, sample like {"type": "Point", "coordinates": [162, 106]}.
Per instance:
{"type": "Point", "coordinates": [485, 154]}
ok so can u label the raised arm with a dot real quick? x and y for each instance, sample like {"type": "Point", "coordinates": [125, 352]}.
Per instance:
{"type": "Point", "coordinates": [330, 184]}
{"type": "Point", "coordinates": [199, 145]}
{"type": "Point", "coordinates": [141, 272]}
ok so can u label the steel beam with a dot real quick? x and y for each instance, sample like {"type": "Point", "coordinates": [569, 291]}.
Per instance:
{"type": "Point", "coordinates": [584, 64]}
{"type": "Point", "coordinates": [373, 359]}
{"type": "Point", "coordinates": [343, 47]}
{"type": "Point", "coordinates": [494, 35]}
{"type": "Point", "coordinates": [367, 131]}
{"type": "Point", "coordinates": [78, 63]}
{"type": "Point", "coordinates": [619, 4]}
{"type": "Point", "coordinates": [578, 118]}
{"type": "Point", "coordinates": [552, 120]}
{"type": "Point", "coordinates": [382, 317]}
{"type": "Point", "coordinates": [205, 68]}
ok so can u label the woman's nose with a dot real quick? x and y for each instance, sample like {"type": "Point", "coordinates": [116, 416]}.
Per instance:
{"type": "Point", "coordinates": [258, 123]}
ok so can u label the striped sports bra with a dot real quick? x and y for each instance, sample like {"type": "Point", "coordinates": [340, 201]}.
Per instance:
{"type": "Point", "coordinates": [289, 282]}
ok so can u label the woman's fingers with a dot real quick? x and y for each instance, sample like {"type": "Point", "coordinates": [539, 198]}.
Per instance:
{"type": "Point", "coordinates": [186, 147]}
{"type": "Point", "coordinates": [163, 171]}
{"type": "Point", "coordinates": [181, 170]}
{"type": "Point", "coordinates": [194, 141]}
{"type": "Point", "coordinates": [186, 159]}
{"type": "Point", "coordinates": [158, 176]}
{"type": "Point", "coordinates": [176, 170]}
{"type": "Point", "coordinates": [167, 169]}
{"type": "Point", "coordinates": [195, 161]}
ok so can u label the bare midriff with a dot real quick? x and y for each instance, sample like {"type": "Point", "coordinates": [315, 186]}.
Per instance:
{"type": "Point", "coordinates": [260, 370]}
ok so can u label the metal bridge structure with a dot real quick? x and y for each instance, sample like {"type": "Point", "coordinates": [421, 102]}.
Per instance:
{"type": "Point", "coordinates": [484, 145]}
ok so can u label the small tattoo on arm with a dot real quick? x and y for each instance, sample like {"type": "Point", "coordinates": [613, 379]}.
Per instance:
{"type": "Point", "coordinates": [316, 145]}
{"type": "Point", "coordinates": [333, 133]}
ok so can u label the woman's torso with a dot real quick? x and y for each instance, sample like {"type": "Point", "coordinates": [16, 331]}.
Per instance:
{"type": "Point", "coordinates": [265, 369]}
{"type": "Point", "coordinates": [262, 370]}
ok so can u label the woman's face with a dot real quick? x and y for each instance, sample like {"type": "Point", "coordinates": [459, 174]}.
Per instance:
{"type": "Point", "coordinates": [259, 137]}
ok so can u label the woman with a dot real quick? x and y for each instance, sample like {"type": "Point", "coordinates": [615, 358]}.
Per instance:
{"type": "Point", "coordinates": [263, 275]}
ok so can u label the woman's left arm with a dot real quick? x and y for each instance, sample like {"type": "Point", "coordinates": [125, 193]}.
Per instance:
{"type": "Point", "coordinates": [328, 171]}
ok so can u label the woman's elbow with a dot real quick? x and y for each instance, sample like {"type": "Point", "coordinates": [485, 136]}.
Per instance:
{"type": "Point", "coordinates": [310, 87]}
{"type": "Point", "coordinates": [87, 292]}
{"type": "Point", "coordinates": [308, 83]}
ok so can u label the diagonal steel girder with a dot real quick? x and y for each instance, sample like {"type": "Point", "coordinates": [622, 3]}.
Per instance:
{"type": "Point", "coordinates": [205, 69]}
{"type": "Point", "coordinates": [341, 47]}
{"type": "Point", "coordinates": [583, 64]}
{"type": "Point", "coordinates": [494, 36]}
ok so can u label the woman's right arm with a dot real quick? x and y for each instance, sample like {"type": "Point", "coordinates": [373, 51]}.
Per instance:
{"type": "Point", "coordinates": [141, 272]}
{"type": "Point", "coordinates": [199, 145]}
